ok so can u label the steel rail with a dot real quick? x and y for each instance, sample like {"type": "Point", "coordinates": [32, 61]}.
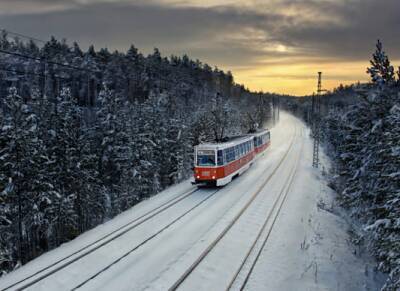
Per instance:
{"type": "Point", "coordinates": [281, 198]}
{"type": "Point", "coordinates": [145, 241]}
{"type": "Point", "coordinates": [129, 226]}
{"type": "Point", "coordinates": [186, 274]}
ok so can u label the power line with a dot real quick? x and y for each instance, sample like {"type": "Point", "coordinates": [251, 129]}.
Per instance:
{"type": "Point", "coordinates": [22, 35]}
{"type": "Point", "coordinates": [39, 59]}
{"type": "Point", "coordinates": [46, 61]}
{"type": "Point", "coordinates": [31, 74]}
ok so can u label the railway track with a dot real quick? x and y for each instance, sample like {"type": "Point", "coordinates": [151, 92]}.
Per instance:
{"type": "Point", "coordinates": [116, 261]}
{"type": "Point", "coordinates": [213, 244]}
{"type": "Point", "coordinates": [92, 247]}
{"type": "Point", "coordinates": [102, 241]}
{"type": "Point", "coordinates": [253, 251]}
{"type": "Point", "coordinates": [145, 241]}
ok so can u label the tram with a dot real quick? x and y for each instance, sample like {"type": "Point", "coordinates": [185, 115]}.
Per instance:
{"type": "Point", "coordinates": [262, 140]}
{"type": "Point", "coordinates": [218, 163]}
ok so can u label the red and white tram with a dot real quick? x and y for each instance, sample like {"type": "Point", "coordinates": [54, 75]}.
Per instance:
{"type": "Point", "coordinates": [218, 163]}
{"type": "Point", "coordinates": [262, 140]}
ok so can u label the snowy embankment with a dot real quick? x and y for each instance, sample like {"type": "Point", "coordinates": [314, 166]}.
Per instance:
{"type": "Point", "coordinates": [307, 246]}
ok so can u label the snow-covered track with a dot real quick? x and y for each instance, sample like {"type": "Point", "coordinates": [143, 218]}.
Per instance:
{"type": "Point", "coordinates": [262, 237]}
{"type": "Point", "coordinates": [95, 245]}
{"type": "Point", "coordinates": [146, 240]}
{"type": "Point", "coordinates": [214, 243]}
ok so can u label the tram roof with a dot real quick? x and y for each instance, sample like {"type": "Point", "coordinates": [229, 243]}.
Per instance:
{"type": "Point", "coordinates": [223, 145]}
{"type": "Point", "coordinates": [260, 132]}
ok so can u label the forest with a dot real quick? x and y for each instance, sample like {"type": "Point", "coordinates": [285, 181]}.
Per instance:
{"type": "Point", "coordinates": [360, 131]}
{"type": "Point", "coordinates": [86, 135]}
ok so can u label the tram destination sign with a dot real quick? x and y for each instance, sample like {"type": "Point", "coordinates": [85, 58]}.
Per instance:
{"type": "Point", "coordinates": [205, 152]}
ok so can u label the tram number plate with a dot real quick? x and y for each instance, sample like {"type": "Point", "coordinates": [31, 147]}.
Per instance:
{"type": "Point", "coordinates": [206, 174]}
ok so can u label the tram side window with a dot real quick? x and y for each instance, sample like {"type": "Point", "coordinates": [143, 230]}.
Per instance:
{"type": "Point", "coordinates": [220, 158]}
{"type": "Point", "coordinates": [225, 154]}
{"type": "Point", "coordinates": [229, 154]}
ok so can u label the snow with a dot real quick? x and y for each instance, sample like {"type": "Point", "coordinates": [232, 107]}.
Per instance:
{"type": "Point", "coordinates": [308, 248]}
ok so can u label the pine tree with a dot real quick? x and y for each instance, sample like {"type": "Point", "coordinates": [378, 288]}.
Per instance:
{"type": "Point", "coordinates": [381, 71]}
{"type": "Point", "coordinates": [112, 147]}
{"type": "Point", "coordinates": [7, 259]}
{"type": "Point", "coordinates": [4, 42]}
{"type": "Point", "coordinates": [68, 161]}
{"type": "Point", "coordinates": [19, 138]}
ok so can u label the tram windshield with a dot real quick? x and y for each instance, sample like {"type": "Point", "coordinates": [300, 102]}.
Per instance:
{"type": "Point", "coordinates": [205, 158]}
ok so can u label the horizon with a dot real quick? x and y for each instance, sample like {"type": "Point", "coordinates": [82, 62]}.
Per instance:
{"type": "Point", "coordinates": [275, 46]}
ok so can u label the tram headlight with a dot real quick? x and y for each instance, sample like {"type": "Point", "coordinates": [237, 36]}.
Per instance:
{"type": "Point", "coordinates": [198, 177]}
{"type": "Point", "coordinates": [213, 177]}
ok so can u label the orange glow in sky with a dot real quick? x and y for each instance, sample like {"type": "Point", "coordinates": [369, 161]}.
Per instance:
{"type": "Point", "coordinates": [268, 45]}
{"type": "Point", "coordinates": [301, 78]}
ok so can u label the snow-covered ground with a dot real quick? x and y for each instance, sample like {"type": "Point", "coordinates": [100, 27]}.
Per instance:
{"type": "Point", "coordinates": [308, 245]}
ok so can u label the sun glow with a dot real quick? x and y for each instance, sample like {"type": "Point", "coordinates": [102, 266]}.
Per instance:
{"type": "Point", "coordinates": [300, 78]}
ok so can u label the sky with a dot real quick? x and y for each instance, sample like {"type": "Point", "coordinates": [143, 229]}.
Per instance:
{"type": "Point", "coordinates": [269, 45]}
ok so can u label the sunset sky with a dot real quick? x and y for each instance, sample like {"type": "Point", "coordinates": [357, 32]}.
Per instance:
{"type": "Point", "coordinates": [270, 45]}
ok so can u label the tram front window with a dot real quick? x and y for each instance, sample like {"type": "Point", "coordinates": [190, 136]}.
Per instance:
{"type": "Point", "coordinates": [205, 158]}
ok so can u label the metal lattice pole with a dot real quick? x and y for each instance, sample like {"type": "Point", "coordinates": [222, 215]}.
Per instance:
{"type": "Point", "coordinates": [316, 107]}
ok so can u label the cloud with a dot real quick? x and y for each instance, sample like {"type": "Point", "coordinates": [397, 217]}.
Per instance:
{"type": "Point", "coordinates": [234, 34]}
{"type": "Point", "coordinates": [223, 31]}
{"type": "Point", "coordinates": [11, 7]}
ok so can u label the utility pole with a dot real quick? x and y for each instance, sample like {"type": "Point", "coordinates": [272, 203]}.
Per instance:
{"type": "Point", "coordinates": [273, 110]}
{"type": "Point", "coordinates": [316, 115]}
{"type": "Point", "coordinates": [279, 107]}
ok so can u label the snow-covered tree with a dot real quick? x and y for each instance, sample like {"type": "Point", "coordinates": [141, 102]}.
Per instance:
{"type": "Point", "coordinates": [381, 71]}
{"type": "Point", "coordinates": [74, 153]}
{"type": "Point", "coordinates": [18, 159]}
